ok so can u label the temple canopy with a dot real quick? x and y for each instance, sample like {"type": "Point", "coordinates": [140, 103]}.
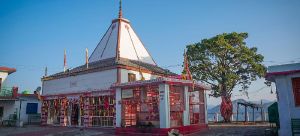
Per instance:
{"type": "Point", "coordinates": [121, 41]}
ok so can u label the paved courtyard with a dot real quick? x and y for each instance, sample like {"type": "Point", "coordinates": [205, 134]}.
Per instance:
{"type": "Point", "coordinates": [54, 131]}
{"type": "Point", "coordinates": [234, 130]}
{"type": "Point", "coordinates": [214, 130]}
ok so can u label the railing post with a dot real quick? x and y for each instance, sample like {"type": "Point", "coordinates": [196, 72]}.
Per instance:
{"type": "Point", "coordinates": [237, 113]}
{"type": "Point", "coordinates": [266, 116]}
{"type": "Point", "coordinates": [248, 117]}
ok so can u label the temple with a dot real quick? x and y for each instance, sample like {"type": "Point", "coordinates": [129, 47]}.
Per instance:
{"type": "Point", "coordinates": [121, 86]}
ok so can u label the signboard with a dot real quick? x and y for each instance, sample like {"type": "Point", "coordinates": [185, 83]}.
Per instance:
{"type": "Point", "coordinates": [161, 95]}
{"type": "Point", "coordinates": [128, 93]}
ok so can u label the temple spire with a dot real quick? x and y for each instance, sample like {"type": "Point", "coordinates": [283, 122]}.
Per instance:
{"type": "Point", "coordinates": [120, 9]}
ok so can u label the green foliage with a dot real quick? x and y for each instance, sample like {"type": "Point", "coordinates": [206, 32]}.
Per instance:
{"type": "Point", "coordinates": [25, 92]}
{"type": "Point", "coordinates": [225, 61]}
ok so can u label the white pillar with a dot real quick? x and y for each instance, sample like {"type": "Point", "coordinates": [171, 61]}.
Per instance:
{"type": "Point", "coordinates": [266, 117]}
{"type": "Point", "coordinates": [186, 113]}
{"type": "Point", "coordinates": [164, 106]}
{"type": "Point", "coordinates": [205, 104]}
{"type": "Point", "coordinates": [248, 116]}
{"type": "Point", "coordinates": [118, 107]}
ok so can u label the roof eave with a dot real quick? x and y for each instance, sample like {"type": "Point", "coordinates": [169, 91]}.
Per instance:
{"type": "Point", "coordinates": [7, 69]}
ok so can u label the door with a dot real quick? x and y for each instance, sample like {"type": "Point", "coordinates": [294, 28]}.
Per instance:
{"type": "Point", "coordinates": [75, 114]}
{"type": "Point", "coordinates": [1, 112]}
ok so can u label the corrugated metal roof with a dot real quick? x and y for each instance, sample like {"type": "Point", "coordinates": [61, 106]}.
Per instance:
{"type": "Point", "coordinates": [109, 64]}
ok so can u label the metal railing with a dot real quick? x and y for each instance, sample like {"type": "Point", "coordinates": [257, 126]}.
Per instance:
{"type": "Point", "coordinates": [102, 121]}
{"type": "Point", "coordinates": [258, 116]}
{"type": "Point", "coordinates": [6, 92]}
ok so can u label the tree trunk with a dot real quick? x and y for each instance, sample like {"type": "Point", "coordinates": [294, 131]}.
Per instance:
{"type": "Point", "coordinates": [226, 108]}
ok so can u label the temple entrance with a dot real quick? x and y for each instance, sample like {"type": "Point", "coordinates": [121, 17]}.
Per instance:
{"type": "Point", "coordinates": [75, 114]}
{"type": "Point", "coordinates": [140, 107]}
{"type": "Point", "coordinates": [176, 105]}
{"type": "Point", "coordinates": [52, 111]}
{"type": "Point", "coordinates": [129, 110]}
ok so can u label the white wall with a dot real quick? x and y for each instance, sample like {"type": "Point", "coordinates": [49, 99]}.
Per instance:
{"type": "Point", "coordinates": [79, 83]}
{"type": "Point", "coordinates": [124, 75]}
{"type": "Point", "coordinates": [24, 116]}
{"type": "Point", "coordinates": [3, 75]}
{"type": "Point", "coordinates": [286, 103]}
{"type": "Point", "coordinates": [9, 107]}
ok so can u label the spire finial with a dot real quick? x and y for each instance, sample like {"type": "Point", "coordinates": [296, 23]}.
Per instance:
{"type": "Point", "coordinates": [120, 9]}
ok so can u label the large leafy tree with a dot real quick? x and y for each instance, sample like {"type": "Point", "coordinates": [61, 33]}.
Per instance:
{"type": "Point", "coordinates": [224, 62]}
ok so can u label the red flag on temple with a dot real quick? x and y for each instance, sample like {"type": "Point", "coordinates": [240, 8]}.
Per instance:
{"type": "Point", "coordinates": [188, 75]}
{"type": "Point", "coordinates": [65, 60]}
{"type": "Point", "coordinates": [87, 57]}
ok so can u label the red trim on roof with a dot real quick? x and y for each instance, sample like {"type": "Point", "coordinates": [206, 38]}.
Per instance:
{"type": "Point", "coordinates": [282, 73]}
{"type": "Point", "coordinates": [78, 93]}
{"type": "Point", "coordinates": [7, 69]}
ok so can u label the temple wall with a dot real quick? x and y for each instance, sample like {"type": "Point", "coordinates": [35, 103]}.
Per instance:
{"type": "Point", "coordinates": [96, 80]}
{"type": "Point", "coordinates": [124, 75]}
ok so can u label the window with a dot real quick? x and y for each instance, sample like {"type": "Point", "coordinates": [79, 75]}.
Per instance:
{"type": "Point", "coordinates": [31, 108]}
{"type": "Point", "coordinates": [296, 90]}
{"type": "Point", "coordinates": [131, 77]}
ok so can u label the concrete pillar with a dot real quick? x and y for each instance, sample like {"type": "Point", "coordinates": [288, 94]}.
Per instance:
{"type": "Point", "coordinates": [164, 106]}
{"type": "Point", "coordinates": [205, 103]}
{"type": "Point", "coordinates": [118, 107]}
{"type": "Point", "coordinates": [79, 113]}
{"type": "Point", "coordinates": [186, 113]}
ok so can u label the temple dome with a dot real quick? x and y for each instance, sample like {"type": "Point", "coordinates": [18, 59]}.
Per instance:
{"type": "Point", "coordinates": [121, 41]}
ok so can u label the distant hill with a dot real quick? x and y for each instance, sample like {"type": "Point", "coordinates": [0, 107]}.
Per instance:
{"type": "Point", "coordinates": [216, 109]}
{"type": "Point", "coordinates": [210, 106]}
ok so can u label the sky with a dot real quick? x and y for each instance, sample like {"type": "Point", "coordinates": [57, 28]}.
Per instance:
{"type": "Point", "coordinates": [34, 34]}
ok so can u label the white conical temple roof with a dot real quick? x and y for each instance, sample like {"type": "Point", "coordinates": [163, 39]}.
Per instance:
{"type": "Point", "coordinates": [120, 41]}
